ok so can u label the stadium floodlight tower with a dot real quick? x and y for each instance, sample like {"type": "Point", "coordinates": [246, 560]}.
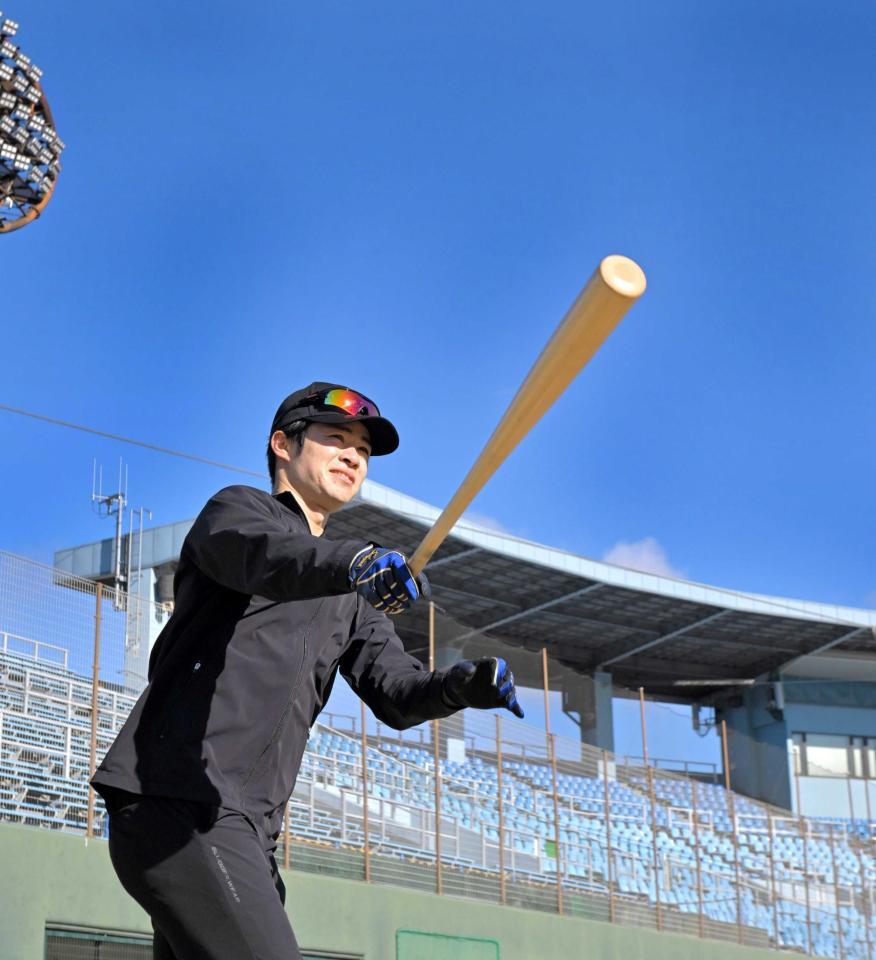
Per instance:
{"type": "Point", "coordinates": [30, 149]}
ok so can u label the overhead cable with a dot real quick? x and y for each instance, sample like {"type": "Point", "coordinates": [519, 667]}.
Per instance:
{"type": "Point", "coordinates": [137, 443]}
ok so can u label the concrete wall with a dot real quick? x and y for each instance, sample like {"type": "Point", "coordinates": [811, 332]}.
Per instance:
{"type": "Point", "coordinates": [52, 877]}
{"type": "Point", "coordinates": [758, 749]}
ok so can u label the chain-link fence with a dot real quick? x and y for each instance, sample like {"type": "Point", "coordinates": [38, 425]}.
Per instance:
{"type": "Point", "coordinates": [66, 687]}
{"type": "Point", "coordinates": [480, 804]}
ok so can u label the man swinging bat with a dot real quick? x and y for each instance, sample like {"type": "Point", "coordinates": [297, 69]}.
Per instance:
{"type": "Point", "coordinates": [267, 611]}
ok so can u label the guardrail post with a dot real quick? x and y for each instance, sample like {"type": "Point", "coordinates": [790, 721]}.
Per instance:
{"type": "Point", "coordinates": [365, 831]}
{"type": "Point", "coordinates": [803, 827]}
{"type": "Point", "coordinates": [439, 873]}
{"type": "Point", "coordinates": [609, 851]}
{"type": "Point", "coordinates": [696, 826]}
{"type": "Point", "coordinates": [552, 759]}
{"type": "Point", "coordinates": [772, 830]}
{"type": "Point", "coordinates": [653, 802]}
{"type": "Point", "coordinates": [95, 696]}
{"type": "Point", "coordinates": [865, 897]}
{"type": "Point", "coordinates": [436, 750]}
{"type": "Point", "coordinates": [552, 746]}
{"type": "Point", "coordinates": [836, 894]}
{"type": "Point", "coordinates": [734, 821]}
{"type": "Point", "coordinates": [502, 890]}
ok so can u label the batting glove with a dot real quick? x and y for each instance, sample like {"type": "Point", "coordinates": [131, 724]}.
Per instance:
{"type": "Point", "coordinates": [384, 579]}
{"type": "Point", "coordinates": [483, 683]}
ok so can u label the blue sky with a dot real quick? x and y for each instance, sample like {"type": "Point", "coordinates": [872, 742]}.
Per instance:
{"type": "Point", "coordinates": [406, 197]}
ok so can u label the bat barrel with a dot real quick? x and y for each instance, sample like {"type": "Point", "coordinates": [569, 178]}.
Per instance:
{"type": "Point", "coordinates": [623, 276]}
{"type": "Point", "coordinates": [615, 285]}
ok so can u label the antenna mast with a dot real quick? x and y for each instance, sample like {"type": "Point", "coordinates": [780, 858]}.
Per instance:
{"type": "Point", "coordinates": [112, 505]}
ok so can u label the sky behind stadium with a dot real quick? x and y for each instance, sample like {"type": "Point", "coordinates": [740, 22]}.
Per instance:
{"type": "Point", "coordinates": [405, 197]}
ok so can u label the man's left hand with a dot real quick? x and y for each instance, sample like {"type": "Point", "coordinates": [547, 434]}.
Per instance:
{"type": "Point", "coordinates": [484, 683]}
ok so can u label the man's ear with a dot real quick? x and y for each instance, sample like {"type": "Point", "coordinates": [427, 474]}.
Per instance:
{"type": "Point", "coordinates": [281, 445]}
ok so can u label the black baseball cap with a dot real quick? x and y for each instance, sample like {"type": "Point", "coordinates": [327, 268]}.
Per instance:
{"type": "Point", "coordinates": [333, 403]}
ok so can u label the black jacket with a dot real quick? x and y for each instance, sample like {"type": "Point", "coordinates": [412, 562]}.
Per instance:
{"type": "Point", "coordinates": [263, 619]}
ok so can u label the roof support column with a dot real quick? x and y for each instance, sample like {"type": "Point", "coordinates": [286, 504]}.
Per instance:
{"type": "Point", "coordinates": [590, 698]}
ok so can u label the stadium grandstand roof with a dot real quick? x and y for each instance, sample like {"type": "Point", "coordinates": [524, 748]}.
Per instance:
{"type": "Point", "coordinates": [677, 639]}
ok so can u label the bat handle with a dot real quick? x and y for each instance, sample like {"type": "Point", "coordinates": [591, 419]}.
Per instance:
{"type": "Point", "coordinates": [419, 560]}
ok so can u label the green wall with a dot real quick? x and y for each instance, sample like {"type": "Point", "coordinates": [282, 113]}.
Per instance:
{"type": "Point", "coordinates": [57, 878]}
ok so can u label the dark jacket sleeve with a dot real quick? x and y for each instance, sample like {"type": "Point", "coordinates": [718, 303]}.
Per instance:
{"type": "Point", "coordinates": [242, 543]}
{"type": "Point", "coordinates": [395, 685]}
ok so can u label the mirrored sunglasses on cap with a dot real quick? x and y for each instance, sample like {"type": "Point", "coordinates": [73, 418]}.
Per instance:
{"type": "Point", "coordinates": [348, 401]}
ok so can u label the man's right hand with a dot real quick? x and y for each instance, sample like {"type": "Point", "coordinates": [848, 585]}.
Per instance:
{"type": "Point", "coordinates": [484, 683]}
{"type": "Point", "coordinates": [384, 579]}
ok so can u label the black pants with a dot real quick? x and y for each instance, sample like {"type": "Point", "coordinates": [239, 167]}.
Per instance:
{"type": "Point", "coordinates": [205, 876]}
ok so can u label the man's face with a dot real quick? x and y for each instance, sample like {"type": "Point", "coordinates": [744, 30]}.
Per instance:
{"type": "Point", "coordinates": [331, 465]}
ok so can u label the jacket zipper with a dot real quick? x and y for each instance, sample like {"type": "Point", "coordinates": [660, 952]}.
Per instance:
{"type": "Point", "coordinates": [284, 716]}
{"type": "Point", "coordinates": [281, 723]}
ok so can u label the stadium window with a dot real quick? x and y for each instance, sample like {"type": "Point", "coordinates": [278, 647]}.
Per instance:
{"type": "Point", "coordinates": [827, 755]}
{"type": "Point", "coordinates": [832, 755]}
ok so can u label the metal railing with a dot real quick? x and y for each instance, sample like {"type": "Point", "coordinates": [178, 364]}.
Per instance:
{"type": "Point", "coordinates": [520, 816]}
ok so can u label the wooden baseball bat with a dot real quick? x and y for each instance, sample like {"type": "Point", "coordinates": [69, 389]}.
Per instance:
{"type": "Point", "coordinates": [615, 286]}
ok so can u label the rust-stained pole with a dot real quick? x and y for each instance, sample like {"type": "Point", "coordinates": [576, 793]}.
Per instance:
{"type": "Point", "coordinates": [696, 825]}
{"type": "Point", "coordinates": [436, 752]}
{"type": "Point", "coordinates": [552, 746]}
{"type": "Point", "coordinates": [552, 757]}
{"type": "Point", "coordinates": [836, 894]}
{"type": "Point", "coordinates": [644, 732]}
{"type": "Point", "coordinates": [439, 877]}
{"type": "Point", "coordinates": [547, 703]}
{"type": "Point", "coordinates": [95, 694]}
{"type": "Point", "coordinates": [653, 801]}
{"type": "Point", "coordinates": [502, 890]}
{"type": "Point", "coordinates": [726, 754]}
{"type": "Point", "coordinates": [365, 831]}
{"type": "Point", "coordinates": [804, 835]}
{"type": "Point", "coordinates": [865, 894]}
{"type": "Point", "coordinates": [610, 877]}
{"type": "Point", "coordinates": [731, 807]}
{"type": "Point", "coordinates": [773, 892]}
